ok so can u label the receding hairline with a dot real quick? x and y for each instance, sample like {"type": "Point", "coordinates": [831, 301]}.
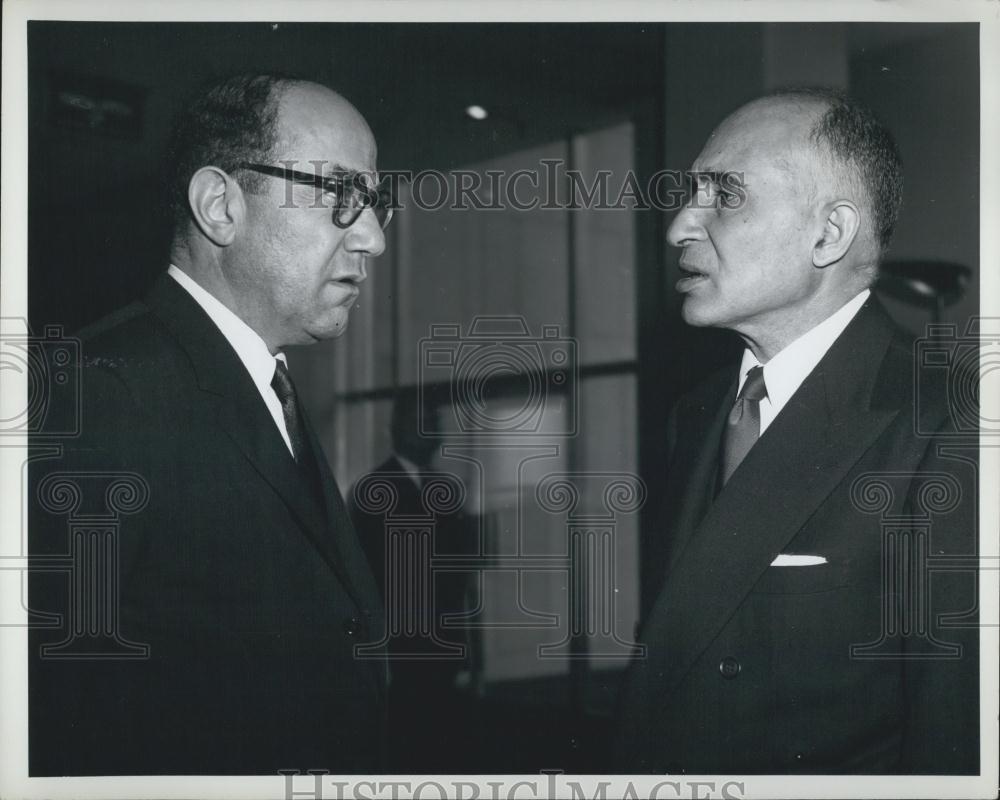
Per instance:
{"type": "Point", "coordinates": [809, 112]}
{"type": "Point", "coordinates": [802, 100]}
{"type": "Point", "coordinates": [848, 150]}
{"type": "Point", "coordinates": [292, 88]}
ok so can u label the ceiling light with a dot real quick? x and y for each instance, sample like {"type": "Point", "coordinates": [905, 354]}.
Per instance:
{"type": "Point", "coordinates": [477, 112]}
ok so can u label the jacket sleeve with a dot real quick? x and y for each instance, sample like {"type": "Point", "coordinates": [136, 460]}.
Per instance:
{"type": "Point", "coordinates": [941, 688]}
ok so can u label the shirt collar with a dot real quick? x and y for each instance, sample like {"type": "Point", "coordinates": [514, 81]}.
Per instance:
{"type": "Point", "coordinates": [784, 373]}
{"type": "Point", "coordinates": [411, 469]}
{"type": "Point", "coordinates": [250, 348]}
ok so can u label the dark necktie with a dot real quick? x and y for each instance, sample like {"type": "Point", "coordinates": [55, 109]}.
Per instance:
{"type": "Point", "coordinates": [295, 425]}
{"type": "Point", "coordinates": [285, 390]}
{"type": "Point", "coordinates": [743, 425]}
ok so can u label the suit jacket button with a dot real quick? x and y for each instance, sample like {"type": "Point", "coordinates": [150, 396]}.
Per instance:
{"type": "Point", "coordinates": [729, 667]}
{"type": "Point", "coordinates": [352, 627]}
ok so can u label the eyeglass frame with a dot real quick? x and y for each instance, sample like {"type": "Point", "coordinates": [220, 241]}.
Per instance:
{"type": "Point", "coordinates": [374, 198]}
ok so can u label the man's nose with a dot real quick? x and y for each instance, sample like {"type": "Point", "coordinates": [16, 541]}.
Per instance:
{"type": "Point", "coordinates": [686, 228]}
{"type": "Point", "coordinates": [366, 235]}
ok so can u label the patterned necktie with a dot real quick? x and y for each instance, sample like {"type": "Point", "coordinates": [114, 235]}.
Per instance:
{"type": "Point", "coordinates": [285, 390]}
{"type": "Point", "coordinates": [743, 425]}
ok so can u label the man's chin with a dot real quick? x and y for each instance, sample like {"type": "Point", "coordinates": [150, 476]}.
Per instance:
{"type": "Point", "coordinates": [696, 315]}
{"type": "Point", "coordinates": [328, 329]}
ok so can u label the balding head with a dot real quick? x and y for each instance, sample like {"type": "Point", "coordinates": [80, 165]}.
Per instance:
{"type": "Point", "coordinates": [305, 111]}
{"type": "Point", "coordinates": [269, 216]}
{"type": "Point", "coordinates": [856, 156]}
{"type": "Point", "coordinates": [819, 185]}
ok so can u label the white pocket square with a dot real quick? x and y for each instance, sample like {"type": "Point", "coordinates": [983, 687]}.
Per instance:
{"type": "Point", "coordinates": [788, 560]}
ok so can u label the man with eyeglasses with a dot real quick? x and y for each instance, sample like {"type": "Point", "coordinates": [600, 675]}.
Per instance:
{"type": "Point", "coordinates": [242, 590]}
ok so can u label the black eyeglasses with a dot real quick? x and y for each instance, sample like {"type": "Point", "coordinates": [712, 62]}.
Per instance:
{"type": "Point", "coordinates": [352, 195]}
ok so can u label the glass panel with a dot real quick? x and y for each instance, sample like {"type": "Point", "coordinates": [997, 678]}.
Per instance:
{"type": "Point", "coordinates": [363, 440]}
{"type": "Point", "coordinates": [500, 279]}
{"type": "Point", "coordinates": [607, 446]}
{"type": "Point", "coordinates": [604, 243]}
{"type": "Point", "coordinates": [456, 264]}
{"type": "Point", "coordinates": [521, 602]}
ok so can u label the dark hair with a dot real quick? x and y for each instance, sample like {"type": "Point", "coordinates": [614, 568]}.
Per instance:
{"type": "Point", "coordinates": [863, 145]}
{"type": "Point", "coordinates": [232, 120]}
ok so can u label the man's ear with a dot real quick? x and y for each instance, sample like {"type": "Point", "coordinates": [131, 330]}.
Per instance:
{"type": "Point", "coordinates": [839, 230]}
{"type": "Point", "coordinates": [217, 205]}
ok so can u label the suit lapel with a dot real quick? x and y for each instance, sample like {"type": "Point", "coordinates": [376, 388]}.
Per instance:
{"type": "Point", "coordinates": [240, 411]}
{"type": "Point", "coordinates": [250, 426]}
{"type": "Point", "coordinates": [345, 556]}
{"type": "Point", "coordinates": [341, 545]}
{"type": "Point", "coordinates": [700, 424]}
{"type": "Point", "coordinates": [820, 434]}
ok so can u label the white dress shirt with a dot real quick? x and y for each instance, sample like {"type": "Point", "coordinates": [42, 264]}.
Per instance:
{"type": "Point", "coordinates": [784, 373]}
{"type": "Point", "coordinates": [244, 340]}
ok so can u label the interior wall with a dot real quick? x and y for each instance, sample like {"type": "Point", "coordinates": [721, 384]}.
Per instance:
{"type": "Point", "coordinates": [805, 54]}
{"type": "Point", "coordinates": [927, 91]}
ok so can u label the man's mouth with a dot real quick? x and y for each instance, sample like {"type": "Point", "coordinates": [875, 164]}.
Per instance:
{"type": "Point", "coordinates": [348, 284]}
{"type": "Point", "coordinates": [689, 278]}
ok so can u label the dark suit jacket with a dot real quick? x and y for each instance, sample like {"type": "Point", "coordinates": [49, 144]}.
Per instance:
{"type": "Point", "coordinates": [451, 536]}
{"type": "Point", "coordinates": [249, 588]}
{"type": "Point", "coordinates": [749, 666]}
{"type": "Point", "coordinates": [371, 527]}
{"type": "Point", "coordinates": [423, 697]}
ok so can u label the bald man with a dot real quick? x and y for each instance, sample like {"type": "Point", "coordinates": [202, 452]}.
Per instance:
{"type": "Point", "coordinates": [781, 634]}
{"type": "Point", "coordinates": [242, 589]}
